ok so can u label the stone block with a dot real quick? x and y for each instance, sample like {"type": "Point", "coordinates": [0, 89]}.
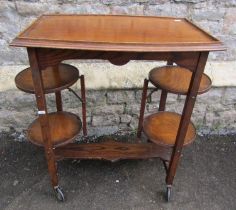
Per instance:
{"type": "Point", "coordinates": [175, 107]}
{"type": "Point", "coordinates": [17, 120]}
{"type": "Point", "coordinates": [33, 8]}
{"type": "Point", "coordinates": [165, 8]}
{"type": "Point", "coordinates": [95, 98]}
{"type": "Point", "coordinates": [105, 120]}
{"type": "Point", "coordinates": [134, 123]}
{"type": "Point", "coordinates": [102, 130]}
{"type": "Point", "coordinates": [12, 56]}
{"type": "Point", "coordinates": [17, 101]}
{"type": "Point", "coordinates": [223, 122]}
{"type": "Point", "coordinates": [189, 1]}
{"type": "Point", "coordinates": [9, 21]}
{"type": "Point", "coordinates": [151, 2]}
{"type": "Point", "coordinates": [159, 10]}
{"type": "Point", "coordinates": [230, 21]}
{"type": "Point", "coordinates": [125, 118]}
{"type": "Point", "coordinates": [211, 13]}
{"type": "Point", "coordinates": [212, 107]}
{"type": "Point", "coordinates": [152, 108]}
{"type": "Point", "coordinates": [229, 96]}
{"type": "Point", "coordinates": [120, 97]}
{"type": "Point", "coordinates": [215, 94]}
{"type": "Point", "coordinates": [111, 109]}
{"type": "Point", "coordinates": [230, 3]}
{"type": "Point", "coordinates": [180, 10]}
{"type": "Point", "coordinates": [230, 54]}
{"type": "Point", "coordinates": [213, 27]}
{"type": "Point", "coordinates": [132, 109]}
{"type": "Point", "coordinates": [133, 9]}
{"type": "Point", "coordinates": [140, 1]}
{"type": "Point", "coordinates": [138, 96]}
{"type": "Point", "coordinates": [198, 115]}
{"type": "Point", "coordinates": [155, 97]}
{"type": "Point", "coordinates": [116, 2]}
{"type": "Point", "coordinates": [91, 8]}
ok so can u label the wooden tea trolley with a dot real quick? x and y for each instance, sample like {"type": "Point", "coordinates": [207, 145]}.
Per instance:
{"type": "Point", "coordinates": [52, 39]}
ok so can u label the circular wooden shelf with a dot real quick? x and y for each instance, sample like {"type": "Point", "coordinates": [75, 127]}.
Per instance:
{"type": "Point", "coordinates": [162, 127]}
{"type": "Point", "coordinates": [176, 79]}
{"type": "Point", "coordinates": [64, 127]}
{"type": "Point", "coordinates": [54, 79]}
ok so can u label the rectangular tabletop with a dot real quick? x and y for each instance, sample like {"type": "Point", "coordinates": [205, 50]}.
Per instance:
{"type": "Point", "coordinates": [116, 33]}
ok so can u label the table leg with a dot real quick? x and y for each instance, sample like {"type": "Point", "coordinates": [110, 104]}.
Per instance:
{"type": "Point", "coordinates": [82, 83]}
{"type": "Point", "coordinates": [142, 108]}
{"type": "Point", "coordinates": [43, 116]}
{"type": "Point", "coordinates": [58, 101]}
{"type": "Point", "coordinates": [186, 115]}
{"type": "Point", "coordinates": [162, 103]}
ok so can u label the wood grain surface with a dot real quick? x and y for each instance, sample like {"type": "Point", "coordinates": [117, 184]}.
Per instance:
{"type": "Point", "coordinates": [54, 79]}
{"type": "Point", "coordinates": [116, 33]}
{"type": "Point", "coordinates": [176, 79]}
{"type": "Point", "coordinates": [64, 127]}
{"type": "Point", "coordinates": [162, 128]}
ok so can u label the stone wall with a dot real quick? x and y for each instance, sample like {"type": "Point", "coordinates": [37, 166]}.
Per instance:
{"type": "Point", "coordinates": [216, 16]}
{"type": "Point", "coordinates": [109, 111]}
{"type": "Point", "coordinates": [110, 107]}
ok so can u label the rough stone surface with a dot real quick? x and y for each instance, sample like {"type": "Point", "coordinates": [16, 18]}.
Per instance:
{"type": "Point", "coordinates": [217, 17]}
{"type": "Point", "coordinates": [214, 111]}
{"type": "Point", "coordinates": [107, 111]}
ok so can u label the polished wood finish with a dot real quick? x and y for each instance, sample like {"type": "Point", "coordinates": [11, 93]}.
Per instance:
{"type": "Point", "coordinates": [175, 79]}
{"type": "Point", "coordinates": [117, 33]}
{"type": "Point", "coordinates": [161, 128]}
{"type": "Point", "coordinates": [64, 127]}
{"type": "Point", "coordinates": [82, 85]}
{"type": "Point", "coordinates": [53, 57]}
{"type": "Point", "coordinates": [186, 115]}
{"type": "Point", "coordinates": [113, 151]}
{"type": "Point", "coordinates": [44, 121]}
{"type": "Point", "coordinates": [54, 78]}
{"type": "Point", "coordinates": [162, 103]}
{"type": "Point", "coordinates": [118, 39]}
{"type": "Point", "coordinates": [142, 108]}
{"type": "Point", "coordinates": [58, 101]}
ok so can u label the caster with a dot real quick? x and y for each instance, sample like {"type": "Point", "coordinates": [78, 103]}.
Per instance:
{"type": "Point", "coordinates": [168, 194]}
{"type": "Point", "coordinates": [59, 194]}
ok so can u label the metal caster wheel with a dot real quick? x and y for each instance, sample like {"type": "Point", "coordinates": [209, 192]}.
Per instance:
{"type": "Point", "coordinates": [59, 194]}
{"type": "Point", "coordinates": [168, 194]}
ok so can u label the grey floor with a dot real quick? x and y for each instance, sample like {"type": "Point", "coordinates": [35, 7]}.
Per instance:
{"type": "Point", "coordinates": [206, 179]}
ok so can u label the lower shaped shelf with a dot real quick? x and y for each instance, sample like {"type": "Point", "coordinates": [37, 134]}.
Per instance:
{"type": "Point", "coordinates": [64, 127]}
{"type": "Point", "coordinates": [162, 127]}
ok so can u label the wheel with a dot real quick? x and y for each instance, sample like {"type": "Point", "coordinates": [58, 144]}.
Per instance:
{"type": "Point", "coordinates": [59, 194]}
{"type": "Point", "coordinates": [168, 193]}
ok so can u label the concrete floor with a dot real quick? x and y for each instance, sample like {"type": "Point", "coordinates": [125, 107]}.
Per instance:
{"type": "Point", "coordinates": [206, 179]}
